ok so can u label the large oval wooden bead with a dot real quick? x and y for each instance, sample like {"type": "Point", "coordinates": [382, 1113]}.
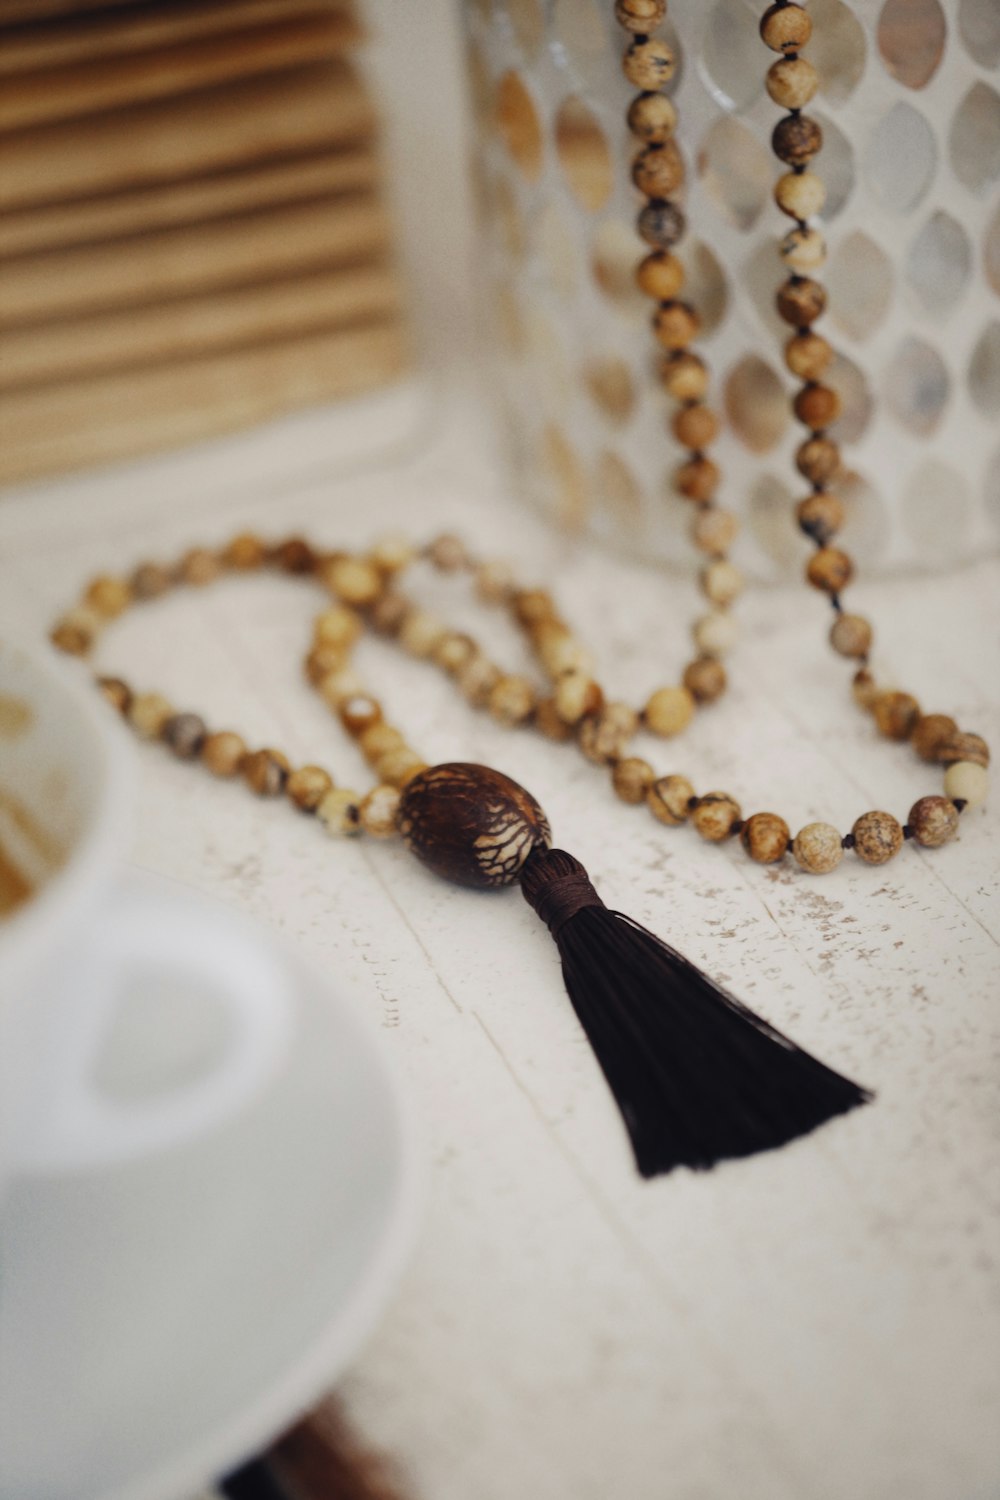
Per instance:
{"type": "Point", "coordinates": [471, 824]}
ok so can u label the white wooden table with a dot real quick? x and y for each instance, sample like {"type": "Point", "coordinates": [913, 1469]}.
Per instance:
{"type": "Point", "coordinates": [818, 1323]}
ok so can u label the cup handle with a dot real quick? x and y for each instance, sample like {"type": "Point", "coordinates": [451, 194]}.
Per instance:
{"type": "Point", "coordinates": [76, 1127]}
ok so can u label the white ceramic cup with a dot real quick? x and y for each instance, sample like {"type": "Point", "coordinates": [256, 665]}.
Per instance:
{"type": "Point", "coordinates": [80, 945]}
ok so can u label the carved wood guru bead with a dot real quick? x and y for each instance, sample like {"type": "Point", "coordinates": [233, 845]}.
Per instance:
{"type": "Point", "coordinates": [471, 824]}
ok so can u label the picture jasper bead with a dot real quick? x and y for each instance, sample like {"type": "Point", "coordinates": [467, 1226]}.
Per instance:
{"type": "Point", "coordinates": [668, 711]}
{"type": "Point", "coordinates": [199, 567]}
{"type": "Point", "coordinates": [222, 752]}
{"type": "Point", "coordinates": [605, 735]}
{"type": "Point", "coordinates": [695, 426]}
{"type": "Point", "coordinates": [471, 824]}
{"type": "Point", "coordinates": [658, 171]}
{"type": "Point", "coordinates": [684, 376]}
{"type": "Point", "coordinates": [820, 516]}
{"type": "Point", "coordinates": [801, 302]}
{"type": "Point", "coordinates": [808, 355]}
{"type": "Point", "coordinates": [675, 325]}
{"type": "Point", "coordinates": [705, 679]}
{"type": "Point", "coordinates": [933, 821]}
{"type": "Point", "coordinates": [116, 692]}
{"type": "Point", "coordinates": [660, 275]}
{"type": "Point", "coordinates": [185, 734]}
{"type": "Point", "coordinates": [818, 460]}
{"type": "Point", "coordinates": [661, 225]}
{"type": "Point", "coordinates": [864, 689]}
{"type": "Point", "coordinates": [340, 813]}
{"type": "Point", "coordinates": [817, 406]}
{"type": "Point", "coordinates": [851, 636]}
{"type": "Point", "coordinates": [698, 479]}
{"type": "Point", "coordinates": [642, 16]}
{"type": "Point", "coordinates": [148, 713]}
{"type": "Point", "coordinates": [307, 786]}
{"type": "Point", "coordinates": [800, 194]}
{"type": "Point", "coordinates": [765, 837]}
{"type": "Point", "coordinates": [896, 714]}
{"type": "Point", "coordinates": [245, 552]}
{"type": "Point", "coordinates": [971, 748]}
{"type": "Point", "coordinates": [632, 778]}
{"type": "Point", "coordinates": [829, 569]}
{"type": "Point", "coordinates": [714, 530]}
{"type": "Point", "coordinates": [149, 581]}
{"type": "Point", "coordinates": [379, 811]}
{"type": "Point", "coordinates": [785, 28]}
{"type": "Point", "coordinates": [930, 734]}
{"type": "Point", "coordinates": [650, 64]}
{"type": "Point", "coordinates": [715, 816]}
{"type": "Point", "coordinates": [265, 772]}
{"type": "Point", "coordinates": [668, 799]}
{"type": "Point", "coordinates": [803, 250]}
{"type": "Point", "coordinates": [818, 848]}
{"type": "Point", "coordinates": [878, 836]}
{"type": "Point", "coordinates": [652, 118]}
{"type": "Point", "coordinates": [109, 596]}
{"type": "Point", "coordinates": [791, 82]}
{"type": "Point", "coordinates": [796, 139]}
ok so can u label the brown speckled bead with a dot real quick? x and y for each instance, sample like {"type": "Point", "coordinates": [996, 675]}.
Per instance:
{"type": "Point", "coordinates": [829, 569]}
{"type": "Point", "coordinates": [658, 171]}
{"type": "Point", "coordinates": [818, 848]}
{"type": "Point", "coordinates": [661, 225]}
{"type": "Point", "coordinates": [117, 692]}
{"type": "Point", "coordinates": [379, 810]}
{"type": "Point", "coordinates": [640, 16]}
{"type": "Point", "coordinates": [387, 614]}
{"type": "Point", "coordinates": [695, 426]}
{"type": "Point", "coordinates": [632, 778]}
{"type": "Point", "coordinates": [697, 480]}
{"type": "Point", "coordinates": [649, 65]}
{"type": "Point", "coordinates": [930, 733]}
{"type": "Point", "coordinates": [222, 752]}
{"type": "Point", "coordinates": [765, 837]}
{"type": "Point", "coordinates": [791, 82]}
{"type": "Point", "coordinates": [150, 580]}
{"type": "Point", "coordinates": [358, 713]}
{"type": "Point", "coordinates": [970, 748]}
{"type": "Point", "coordinates": [668, 711]}
{"type": "Point", "coordinates": [705, 679]}
{"type": "Point", "coordinates": [715, 816]}
{"type": "Point", "coordinates": [820, 516]}
{"type": "Point", "coordinates": [109, 596]}
{"type": "Point", "coordinates": [785, 28]}
{"type": "Point", "coordinates": [808, 355]}
{"type": "Point", "coordinates": [864, 689]}
{"type": "Point", "coordinates": [548, 722]}
{"type": "Point", "coordinates": [605, 736]}
{"type": "Point", "coordinates": [714, 530]}
{"type": "Point", "coordinates": [796, 140]}
{"type": "Point", "coordinates": [803, 250]}
{"type": "Point", "coordinates": [652, 118]}
{"type": "Point", "coordinates": [851, 636]}
{"type": "Point", "coordinates": [199, 567]}
{"type": "Point", "coordinates": [668, 799]}
{"type": "Point", "coordinates": [379, 740]}
{"type": "Point", "coordinates": [896, 714]}
{"type": "Point", "coordinates": [265, 772]}
{"type": "Point", "coordinates": [245, 552]}
{"type": "Point", "coordinates": [148, 713]}
{"type": "Point", "coordinates": [818, 460]}
{"type": "Point", "coordinates": [512, 700]}
{"type": "Point", "coordinates": [684, 376]}
{"type": "Point", "coordinates": [802, 301]}
{"type": "Point", "coordinates": [76, 632]}
{"type": "Point", "coordinates": [185, 734]}
{"type": "Point", "coordinates": [660, 275]}
{"type": "Point", "coordinates": [340, 813]}
{"type": "Point", "coordinates": [877, 837]}
{"type": "Point", "coordinates": [471, 824]}
{"type": "Point", "coordinates": [675, 324]}
{"type": "Point", "coordinates": [817, 406]}
{"type": "Point", "coordinates": [576, 695]}
{"type": "Point", "coordinates": [933, 821]}
{"type": "Point", "coordinates": [531, 606]}
{"type": "Point", "coordinates": [307, 786]}
{"type": "Point", "coordinates": [800, 195]}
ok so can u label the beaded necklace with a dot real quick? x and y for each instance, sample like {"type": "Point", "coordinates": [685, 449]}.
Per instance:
{"type": "Point", "coordinates": [696, 1075]}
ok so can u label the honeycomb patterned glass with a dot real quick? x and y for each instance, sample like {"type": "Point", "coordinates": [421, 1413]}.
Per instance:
{"type": "Point", "coordinates": [910, 109]}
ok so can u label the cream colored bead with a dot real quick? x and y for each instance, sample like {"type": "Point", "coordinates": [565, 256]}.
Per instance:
{"type": "Point", "coordinates": [721, 582]}
{"type": "Point", "coordinates": [399, 766]}
{"type": "Point", "coordinates": [337, 687]}
{"type": "Point", "coordinates": [714, 530]}
{"type": "Point", "coordinates": [967, 782]}
{"type": "Point", "coordinates": [669, 711]}
{"type": "Point", "coordinates": [715, 816]}
{"type": "Point", "coordinates": [378, 811]}
{"type": "Point", "coordinates": [340, 813]}
{"type": "Point", "coordinates": [353, 580]}
{"type": "Point", "coordinates": [379, 740]}
{"type": "Point", "coordinates": [337, 626]}
{"type": "Point", "coordinates": [800, 194]}
{"type": "Point", "coordinates": [448, 553]}
{"type": "Point", "coordinates": [803, 250]}
{"type": "Point", "coordinates": [393, 553]}
{"type": "Point", "coordinates": [494, 582]}
{"type": "Point", "coordinates": [605, 736]}
{"type": "Point", "coordinates": [512, 700]}
{"type": "Point", "coordinates": [307, 786]}
{"type": "Point", "coordinates": [453, 651]}
{"type": "Point", "coordinates": [110, 597]}
{"type": "Point", "coordinates": [668, 798]}
{"type": "Point", "coordinates": [559, 651]}
{"type": "Point", "coordinates": [420, 632]}
{"type": "Point", "coordinates": [477, 679]}
{"type": "Point", "coordinates": [715, 634]}
{"type": "Point", "coordinates": [818, 848]}
{"type": "Point", "coordinates": [632, 778]}
{"type": "Point", "coordinates": [148, 713]}
{"type": "Point", "coordinates": [576, 694]}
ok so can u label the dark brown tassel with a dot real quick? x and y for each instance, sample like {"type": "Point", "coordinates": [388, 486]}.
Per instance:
{"type": "Point", "coordinates": [697, 1076]}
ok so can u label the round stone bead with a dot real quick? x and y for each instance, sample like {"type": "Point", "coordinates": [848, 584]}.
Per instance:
{"type": "Point", "coordinates": [658, 171]}
{"type": "Point", "coordinates": [397, 767]}
{"type": "Point", "coordinates": [817, 406]}
{"type": "Point", "coordinates": [265, 772]}
{"type": "Point", "coordinates": [684, 376]}
{"type": "Point", "coordinates": [453, 651]}
{"type": "Point", "coordinates": [185, 734]}
{"type": "Point", "coordinates": [933, 821]}
{"type": "Point", "coordinates": [675, 325]}
{"type": "Point", "coordinates": [803, 250]}
{"type": "Point", "coordinates": [697, 480]}
{"type": "Point", "coordinates": [931, 733]}
{"type": "Point", "coordinates": [818, 460]}
{"type": "Point", "coordinates": [477, 679]}
{"type": "Point", "coordinates": [337, 626]}
{"type": "Point", "coordinates": [294, 555]}
{"type": "Point", "coordinates": [322, 660]}
{"type": "Point", "coordinates": [559, 651]}
{"type": "Point", "coordinates": [818, 848]}
{"type": "Point", "coordinates": [605, 736]}
{"type": "Point", "coordinates": [649, 65]}
{"type": "Point", "coordinates": [576, 695]}
{"type": "Point", "coordinates": [695, 426]}
{"type": "Point", "coordinates": [148, 714]}
{"type": "Point", "coordinates": [116, 692]}
{"type": "Point", "coordinates": [392, 553]}
{"type": "Point", "coordinates": [641, 16]}
{"type": "Point", "coordinates": [534, 605]}
{"type": "Point", "coordinates": [965, 747]}
{"type": "Point", "coordinates": [896, 714]}
{"type": "Point", "coordinates": [967, 782]}
{"type": "Point", "coordinates": [820, 516]}
{"type": "Point", "coordinates": [109, 596]}
{"type": "Point", "coordinates": [149, 581]}
{"type": "Point", "coordinates": [877, 837]}
{"type": "Point", "coordinates": [353, 579]}
{"type": "Point", "coordinates": [791, 82]}
{"type": "Point", "coordinates": [512, 700]}
{"type": "Point", "coordinates": [668, 711]}
{"type": "Point", "coordinates": [714, 530]}
{"type": "Point", "coordinates": [378, 811]}
{"type": "Point", "coordinates": [802, 301]}
{"type": "Point", "coordinates": [358, 713]}
{"type": "Point", "coordinates": [448, 553]}
{"type": "Point", "coordinates": [721, 582]}
{"type": "Point", "coordinates": [336, 687]}
{"type": "Point", "coordinates": [661, 225]}
{"type": "Point", "coordinates": [199, 567]}
{"type": "Point", "coordinates": [245, 552]}
{"type": "Point", "coordinates": [222, 752]}
{"type": "Point", "coordinates": [652, 118]}
{"type": "Point", "coordinates": [808, 355]}
{"type": "Point", "coordinates": [420, 632]}
{"type": "Point", "coordinates": [715, 634]}
{"type": "Point", "coordinates": [765, 837]}
{"type": "Point", "coordinates": [829, 569]}
{"type": "Point", "coordinates": [715, 816]}
{"type": "Point", "coordinates": [865, 689]}
{"type": "Point", "coordinates": [632, 778]}
{"type": "Point", "coordinates": [705, 679]}
{"type": "Point", "coordinates": [340, 813]}
{"type": "Point", "coordinates": [548, 722]}
{"type": "Point", "coordinates": [307, 786]}
{"type": "Point", "coordinates": [660, 275]}
{"type": "Point", "coordinates": [493, 582]}
{"type": "Point", "coordinates": [668, 799]}
{"type": "Point", "coordinates": [796, 139]}
{"type": "Point", "coordinates": [800, 194]}
{"type": "Point", "coordinates": [851, 636]}
{"type": "Point", "coordinates": [785, 28]}
{"type": "Point", "coordinates": [76, 632]}
{"type": "Point", "coordinates": [379, 740]}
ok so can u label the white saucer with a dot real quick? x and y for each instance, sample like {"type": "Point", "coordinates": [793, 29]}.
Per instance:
{"type": "Point", "coordinates": [160, 1323]}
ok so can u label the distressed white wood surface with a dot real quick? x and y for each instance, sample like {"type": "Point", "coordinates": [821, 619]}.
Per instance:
{"type": "Point", "coordinates": [816, 1323]}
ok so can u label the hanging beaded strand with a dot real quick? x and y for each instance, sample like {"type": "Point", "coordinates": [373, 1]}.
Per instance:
{"type": "Point", "coordinates": [797, 139]}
